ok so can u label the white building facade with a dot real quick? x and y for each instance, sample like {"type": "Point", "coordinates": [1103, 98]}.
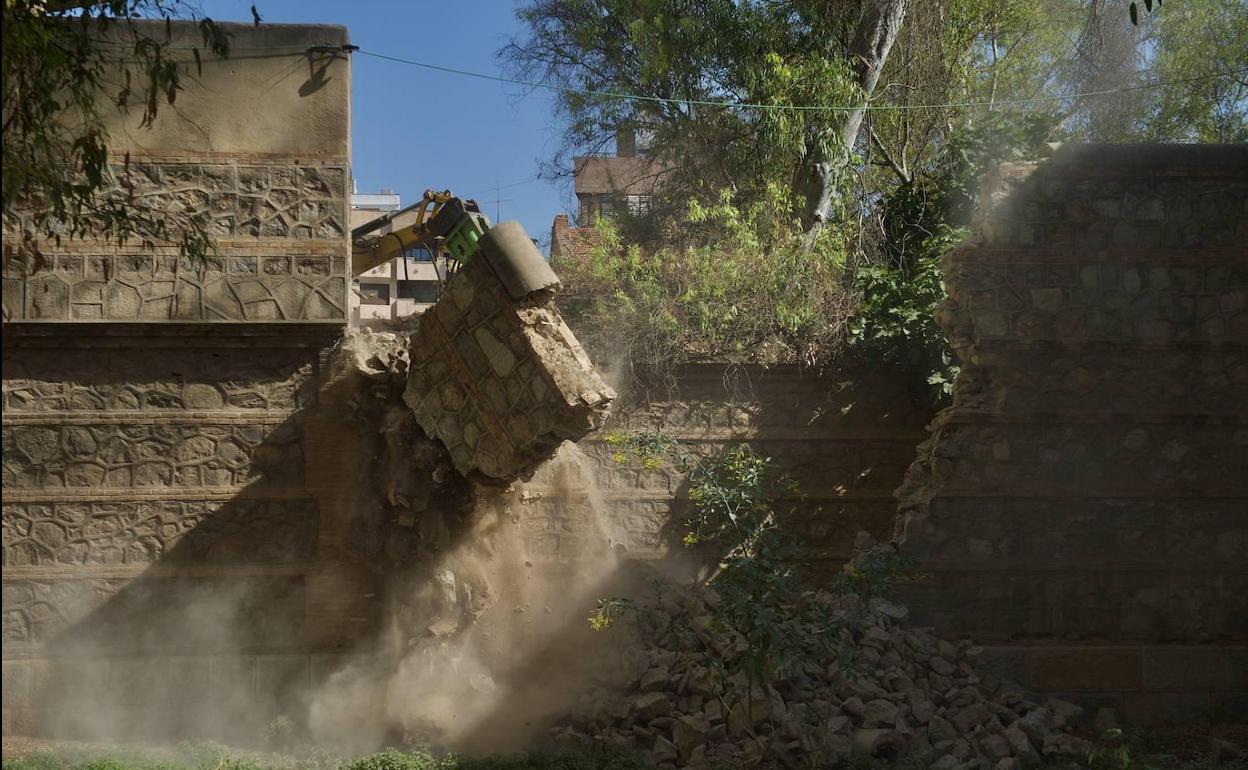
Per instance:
{"type": "Point", "coordinates": [404, 286]}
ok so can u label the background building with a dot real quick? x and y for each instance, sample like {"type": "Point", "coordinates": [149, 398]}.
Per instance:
{"type": "Point", "coordinates": [605, 185]}
{"type": "Point", "coordinates": [402, 287]}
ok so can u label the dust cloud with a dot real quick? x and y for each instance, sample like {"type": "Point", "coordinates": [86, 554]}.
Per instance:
{"type": "Point", "coordinates": [496, 646]}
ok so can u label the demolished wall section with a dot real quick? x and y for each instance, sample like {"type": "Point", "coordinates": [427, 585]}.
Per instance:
{"type": "Point", "coordinates": [500, 382]}
{"type": "Point", "coordinates": [1082, 504]}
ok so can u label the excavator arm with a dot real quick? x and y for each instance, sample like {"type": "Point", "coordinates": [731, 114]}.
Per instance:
{"type": "Point", "coordinates": [449, 227]}
{"type": "Point", "coordinates": [455, 230]}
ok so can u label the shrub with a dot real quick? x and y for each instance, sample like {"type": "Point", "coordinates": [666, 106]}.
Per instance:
{"type": "Point", "coordinates": [730, 283]}
{"type": "Point", "coordinates": [393, 759]}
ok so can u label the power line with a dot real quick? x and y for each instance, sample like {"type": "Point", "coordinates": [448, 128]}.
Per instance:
{"type": "Point", "coordinates": [304, 49]}
{"type": "Point", "coordinates": [495, 188]}
{"type": "Point", "coordinates": [780, 107]}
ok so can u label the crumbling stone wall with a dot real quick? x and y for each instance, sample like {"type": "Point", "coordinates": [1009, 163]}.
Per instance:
{"type": "Point", "coordinates": [1081, 506]}
{"type": "Point", "coordinates": [846, 436]}
{"type": "Point", "coordinates": [177, 519]}
{"type": "Point", "coordinates": [500, 382]}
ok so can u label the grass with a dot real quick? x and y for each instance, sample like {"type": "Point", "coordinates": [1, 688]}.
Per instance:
{"type": "Point", "coordinates": [1174, 749]}
{"type": "Point", "coordinates": [210, 756]}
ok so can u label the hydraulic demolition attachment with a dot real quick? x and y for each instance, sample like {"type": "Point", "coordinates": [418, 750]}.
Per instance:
{"type": "Point", "coordinates": [453, 231]}
{"type": "Point", "coordinates": [449, 228]}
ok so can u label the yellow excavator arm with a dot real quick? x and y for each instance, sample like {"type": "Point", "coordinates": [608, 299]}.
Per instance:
{"type": "Point", "coordinates": [447, 226]}
{"type": "Point", "coordinates": [454, 231]}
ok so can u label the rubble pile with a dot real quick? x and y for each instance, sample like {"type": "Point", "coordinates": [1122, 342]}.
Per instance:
{"type": "Point", "coordinates": [891, 692]}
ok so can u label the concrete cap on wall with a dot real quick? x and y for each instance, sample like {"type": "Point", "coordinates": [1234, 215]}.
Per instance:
{"type": "Point", "coordinates": [516, 261]}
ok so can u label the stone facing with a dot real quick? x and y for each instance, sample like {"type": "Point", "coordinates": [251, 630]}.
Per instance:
{"type": "Point", "coordinates": [280, 253]}
{"type": "Point", "coordinates": [92, 456]}
{"type": "Point", "coordinates": [173, 532]}
{"type": "Point", "coordinates": [130, 381]}
{"type": "Point", "coordinates": [500, 383]}
{"type": "Point", "coordinates": [845, 435]}
{"type": "Point", "coordinates": [152, 614]}
{"type": "Point", "coordinates": [1087, 484]}
{"type": "Point", "coordinates": [174, 499]}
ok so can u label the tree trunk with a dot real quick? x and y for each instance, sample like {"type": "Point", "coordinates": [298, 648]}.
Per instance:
{"type": "Point", "coordinates": [822, 169]}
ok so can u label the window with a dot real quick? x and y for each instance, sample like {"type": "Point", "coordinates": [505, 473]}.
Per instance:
{"type": "Point", "coordinates": [418, 254]}
{"type": "Point", "coordinates": [374, 293]}
{"type": "Point", "coordinates": [638, 204]}
{"type": "Point", "coordinates": [419, 291]}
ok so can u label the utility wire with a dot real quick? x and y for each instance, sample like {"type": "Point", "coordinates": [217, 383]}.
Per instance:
{"type": "Point", "coordinates": [301, 50]}
{"type": "Point", "coordinates": [781, 107]}
{"type": "Point", "coordinates": [493, 188]}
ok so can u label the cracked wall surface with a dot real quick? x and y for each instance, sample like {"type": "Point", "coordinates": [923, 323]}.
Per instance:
{"type": "Point", "coordinates": [1082, 504]}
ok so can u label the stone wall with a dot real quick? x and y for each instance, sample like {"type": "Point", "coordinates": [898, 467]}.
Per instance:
{"type": "Point", "coordinates": [177, 516]}
{"type": "Point", "coordinates": [845, 435]}
{"type": "Point", "coordinates": [500, 382]}
{"type": "Point", "coordinates": [1082, 505]}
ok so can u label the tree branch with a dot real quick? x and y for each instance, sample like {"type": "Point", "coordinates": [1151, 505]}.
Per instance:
{"type": "Point", "coordinates": [898, 168]}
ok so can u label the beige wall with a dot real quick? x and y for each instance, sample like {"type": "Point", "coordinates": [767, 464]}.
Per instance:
{"type": "Point", "coordinates": [271, 96]}
{"type": "Point", "coordinates": [176, 447]}
{"type": "Point", "coordinates": [259, 146]}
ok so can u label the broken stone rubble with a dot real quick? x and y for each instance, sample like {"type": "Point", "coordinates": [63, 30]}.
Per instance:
{"type": "Point", "coordinates": [500, 381]}
{"type": "Point", "coordinates": [899, 693]}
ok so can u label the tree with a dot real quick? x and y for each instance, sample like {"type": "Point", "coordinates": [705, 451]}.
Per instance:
{"type": "Point", "coordinates": [65, 64]}
{"type": "Point", "coordinates": [827, 155]}
{"type": "Point", "coordinates": [1182, 66]}
{"type": "Point", "coordinates": [734, 96]}
{"type": "Point", "coordinates": [680, 58]}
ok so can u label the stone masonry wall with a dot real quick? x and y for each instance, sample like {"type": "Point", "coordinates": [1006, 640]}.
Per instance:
{"type": "Point", "coordinates": [500, 383]}
{"type": "Point", "coordinates": [176, 531]}
{"type": "Point", "coordinates": [1082, 506]}
{"type": "Point", "coordinates": [845, 435]}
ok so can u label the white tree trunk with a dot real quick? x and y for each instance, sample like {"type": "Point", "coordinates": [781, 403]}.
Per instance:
{"type": "Point", "coordinates": [880, 23]}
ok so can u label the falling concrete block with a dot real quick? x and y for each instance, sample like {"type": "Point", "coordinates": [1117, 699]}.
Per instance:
{"type": "Point", "coordinates": [496, 375]}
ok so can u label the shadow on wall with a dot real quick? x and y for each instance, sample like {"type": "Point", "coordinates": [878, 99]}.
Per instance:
{"type": "Point", "coordinates": [227, 627]}
{"type": "Point", "coordinates": [168, 574]}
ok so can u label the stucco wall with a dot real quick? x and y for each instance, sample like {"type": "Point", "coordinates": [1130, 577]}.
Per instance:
{"type": "Point", "coordinates": [177, 529]}
{"type": "Point", "coordinates": [1082, 506]}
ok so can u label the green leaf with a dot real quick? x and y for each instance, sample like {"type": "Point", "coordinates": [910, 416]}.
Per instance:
{"type": "Point", "coordinates": [1135, 14]}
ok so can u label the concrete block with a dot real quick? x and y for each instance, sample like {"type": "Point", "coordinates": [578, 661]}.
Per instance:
{"type": "Point", "coordinates": [522, 382]}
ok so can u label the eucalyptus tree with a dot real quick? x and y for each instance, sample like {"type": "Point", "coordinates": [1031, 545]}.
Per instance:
{"type": "Point", "coordinates": [66, 64]}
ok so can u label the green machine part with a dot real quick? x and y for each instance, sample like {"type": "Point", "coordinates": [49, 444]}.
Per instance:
{"type": "Point", "coordinates": [464, 239]}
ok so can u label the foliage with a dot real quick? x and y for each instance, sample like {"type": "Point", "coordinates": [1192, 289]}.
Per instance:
{"type": "Point", "coordinates": [921, 220]}
{"type": "Point", "coordinates": [731, 280]}
{"type": "Point", "coordinates": [1205, 108]}
{"type": "Point", "coordinates": [896, 320]}
{"type": "Point", "coordinates": [1112, 754]}
{"type": "Point", "coordinates": [394, 759]}
{"type": "Point", "coordinates": [721, 50]}
{"type": "Point", "coordinates": [65, 64]}
{"type": "Point", "coordinates": [969, 83]}
{"type": "Point", "coordinates": [764, 599]}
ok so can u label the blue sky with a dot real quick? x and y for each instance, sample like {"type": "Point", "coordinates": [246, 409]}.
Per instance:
{"type": "Point", "coordinates": [414, 129]}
